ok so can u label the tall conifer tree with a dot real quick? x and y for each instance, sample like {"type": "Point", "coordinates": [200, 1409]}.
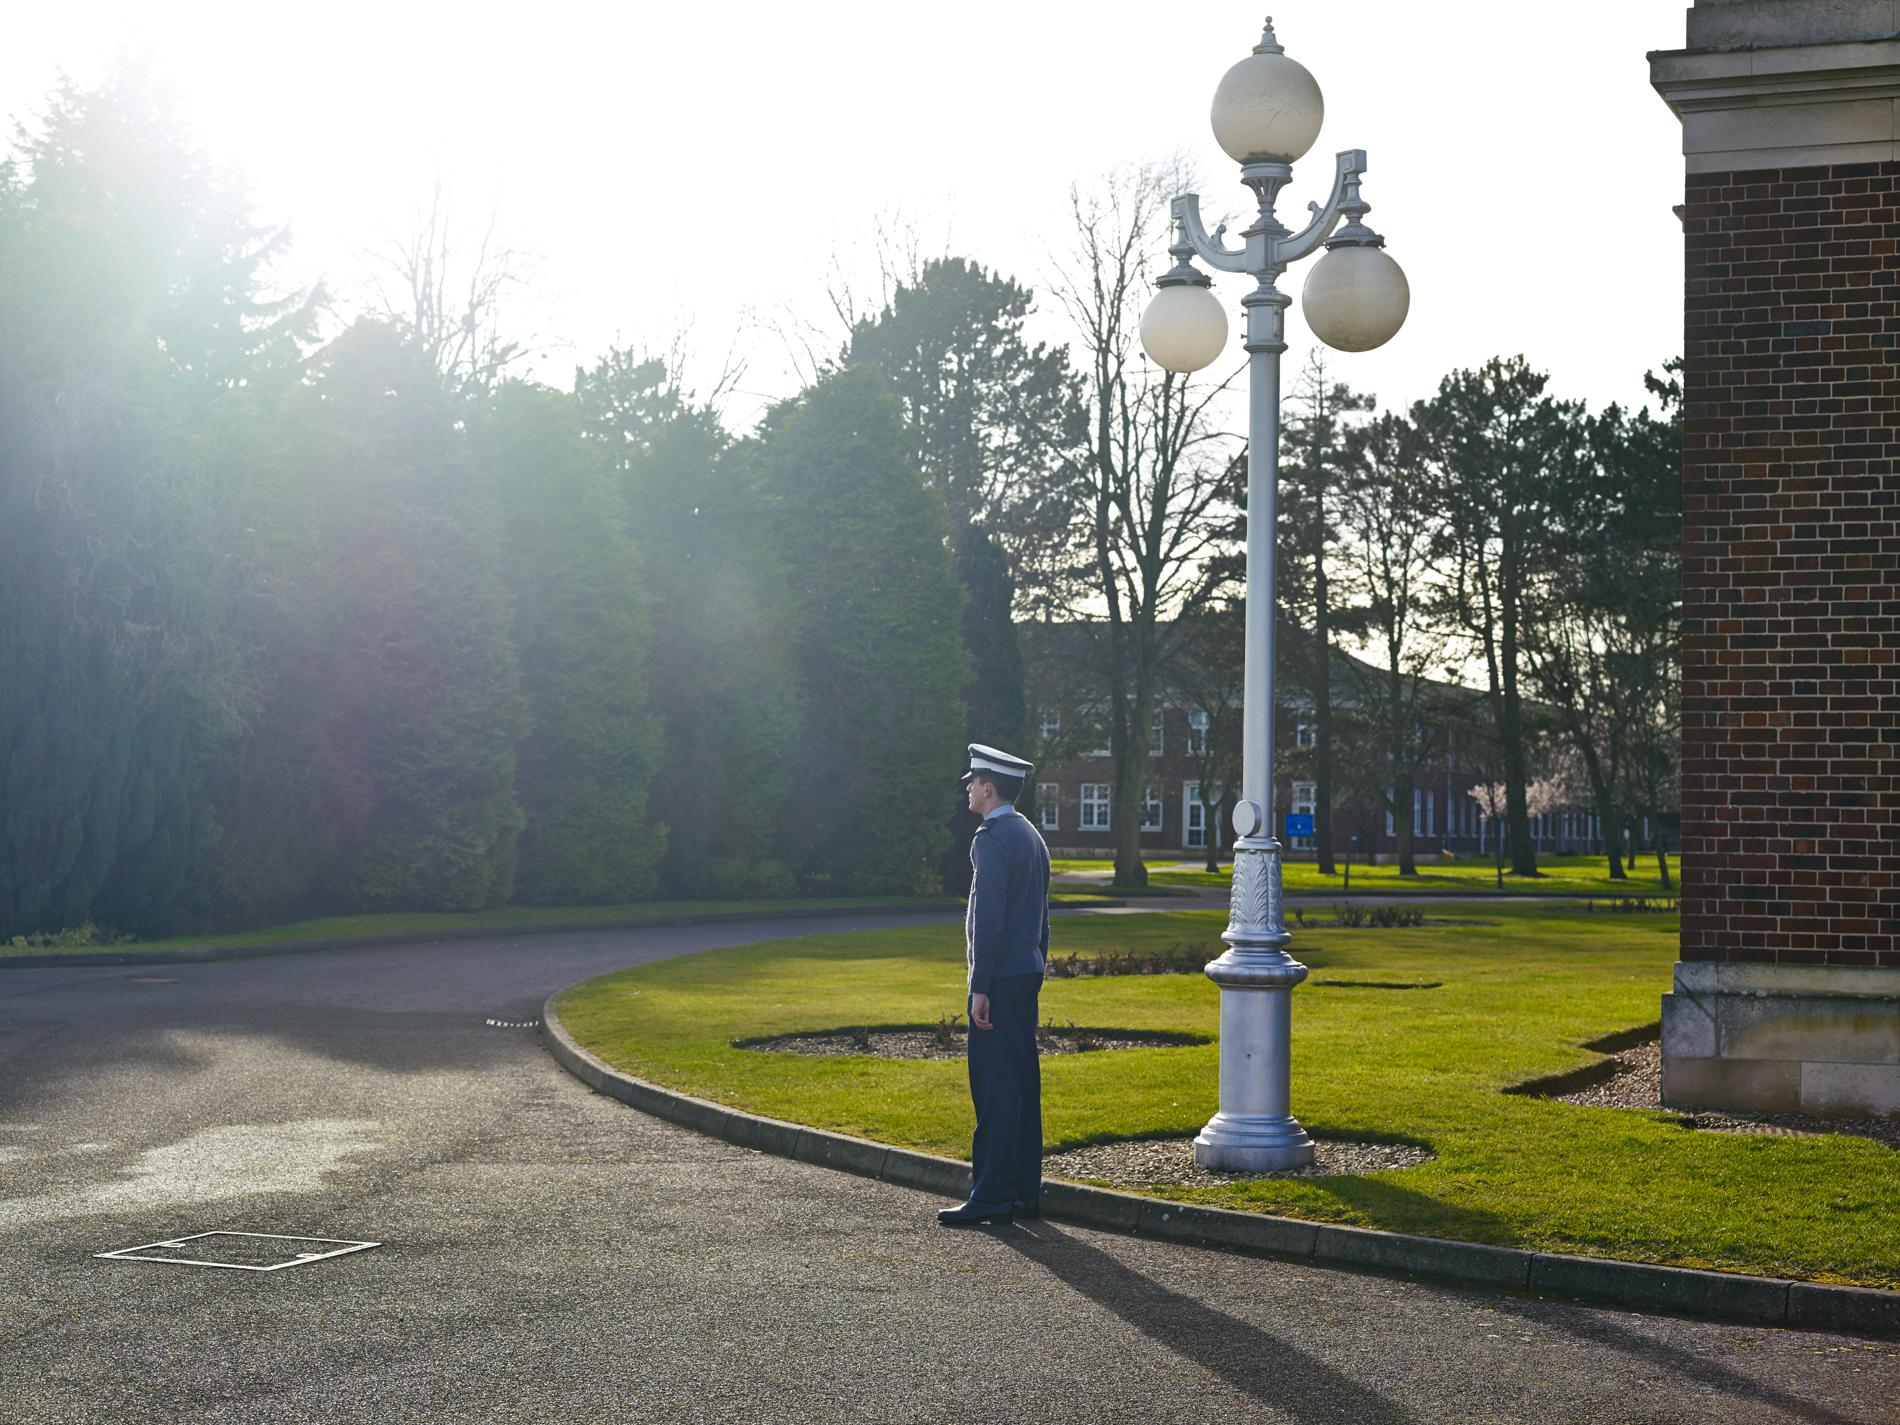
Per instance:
{"type": "Point", "coordinates": [876, 609]}
{"type": "Point", "coordinates": [721, 672]}
{"type": "Point", "coordinates": [581, 632]}
{"type": "Point", "coordinates": [133, 338]}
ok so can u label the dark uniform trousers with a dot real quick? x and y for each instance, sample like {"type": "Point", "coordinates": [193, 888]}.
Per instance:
{"type": "Point", "coordinates": [1006, 1088]}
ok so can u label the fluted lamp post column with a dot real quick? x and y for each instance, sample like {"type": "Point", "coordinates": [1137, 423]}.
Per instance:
{"type": "Point", "coordinates": [1266, 115]}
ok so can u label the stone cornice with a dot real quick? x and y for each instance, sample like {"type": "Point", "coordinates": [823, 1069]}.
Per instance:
{"type": "Point", "coordinates": [1784, 106]}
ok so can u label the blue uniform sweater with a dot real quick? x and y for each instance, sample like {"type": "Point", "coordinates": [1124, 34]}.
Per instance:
{"type": "Point", "coordinates": [1007, 926]}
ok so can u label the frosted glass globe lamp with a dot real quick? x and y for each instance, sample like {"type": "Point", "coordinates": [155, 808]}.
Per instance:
{"type": "Point", "coordinates": [1356, 296]}
{"type": "Point", "coordinates": [1268, 107]}
{"type": "Point", "coordinates": [1185, 326]}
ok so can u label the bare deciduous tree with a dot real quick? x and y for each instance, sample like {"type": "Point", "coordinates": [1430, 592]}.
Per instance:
{"type": "Point", "coordinates": [1389, 526]}
{"type": "Point", "coordinates": [453, 299]}
{"type": "Point", "coordinates": [1158, 486]}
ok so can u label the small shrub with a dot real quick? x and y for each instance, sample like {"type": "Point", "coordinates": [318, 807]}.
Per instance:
{"type": "Point", "coordinates": [1177, 959]}
{"type": "Point", "coordinates": [74, 937]}
{"type": "Point", "coordinates": [1350, 916]}
{"type": "Point", "coordinates": [861, 1040]}
{"type": "Point", "coordinates": [947, 1033]}
{"type": "Point", "coordinates": [1393, 917]}
{"type": "Point", "coordinates": [747, 878]}
{"type": "Point", "coordinates": [1639, 905]}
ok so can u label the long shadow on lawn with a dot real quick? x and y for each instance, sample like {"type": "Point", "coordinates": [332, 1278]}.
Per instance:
{"type": "Point", "coordinates": [1248, 1359]}
{"type": "Point", "coordinates": [1392, 1208]}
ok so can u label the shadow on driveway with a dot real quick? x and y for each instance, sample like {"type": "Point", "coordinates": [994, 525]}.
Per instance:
{"type": "Point", "coordinates": [1248, 1359]}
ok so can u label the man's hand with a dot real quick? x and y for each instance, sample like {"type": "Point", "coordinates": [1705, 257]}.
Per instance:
{"type": "Point", "coordinates": [980, 1011]}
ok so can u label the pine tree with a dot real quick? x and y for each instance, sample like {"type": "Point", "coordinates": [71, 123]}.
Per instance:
{"type": "Point", "coordinates": [132, 342]}
{"type": "Point", "coordinates": [721, 678]}
{"type": "Point", "coordinates": [580, 627]}
{"type": "Point", "coordinates": [998, 427]}
{"type": "Point", "coordinates": [876, 614]}
{"type": "Point", "coordinates": [381, 772]}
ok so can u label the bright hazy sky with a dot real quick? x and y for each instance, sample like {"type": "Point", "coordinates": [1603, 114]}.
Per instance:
{"type": "Point", "coordinates": [713, 167]}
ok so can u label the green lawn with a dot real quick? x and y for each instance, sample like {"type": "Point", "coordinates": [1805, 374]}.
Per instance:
{"type": "Point", "coordinates": [1519, 998]}
{"type": "Point", "coordinates": [1562, 876]}
{"type": "Point", "coordinates": [403, 922]}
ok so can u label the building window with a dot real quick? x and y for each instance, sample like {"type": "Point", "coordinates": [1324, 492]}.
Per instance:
{"type": "Point", "coordinates": [1429, 809]}
{"type": "Point", "coordinates": [1197, 734]}
{"type": "Point", "coordinates": [1051, 725]}
{"type": "Point", "coordinates": [1305, 734]}
{"type": "Point", "coordinates": [1193, 816]}
{"type": "Point", "coordinates": [1151, 809]}
{"type": "Point", "coordinates": [1154, 735]}
{"type": "Point", "coordinates": [1048, 811]}
{"type": "Point", "coordinates": [1305, 799]}
{"type": "Point", "coordinates": [1095, 806]}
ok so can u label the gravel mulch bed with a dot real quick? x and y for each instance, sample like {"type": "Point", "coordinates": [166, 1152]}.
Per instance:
{"type": "Point", "coordinates": [1638, 1084]}
{"type": "Point", "coordinates": [1426, 924]}
{"type": "Point", "coordinates": [1169, 1162]}
{"type": "Point", "coordinates": [924, 1044]}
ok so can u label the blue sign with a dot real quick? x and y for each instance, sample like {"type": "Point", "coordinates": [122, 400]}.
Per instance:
{"type": "Point", "coordinates": [1299, 825]}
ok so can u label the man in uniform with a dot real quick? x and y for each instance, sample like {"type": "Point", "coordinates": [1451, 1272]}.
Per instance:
{"type": "Point", "coordinates": [1007, 928]}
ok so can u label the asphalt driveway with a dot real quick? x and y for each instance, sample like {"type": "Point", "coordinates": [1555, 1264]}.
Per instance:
{"type": "Point", "coordinates": [550, 1255]}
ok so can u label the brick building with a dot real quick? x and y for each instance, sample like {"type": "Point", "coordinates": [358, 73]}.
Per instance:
{"type": "Point", "coordinates": [1787, 994]}
{"type": "Point", "coordinates": [1074, 797]}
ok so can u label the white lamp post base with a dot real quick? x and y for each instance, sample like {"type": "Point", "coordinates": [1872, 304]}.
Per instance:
{"type": "Point", "coordinates": [1252, 1145]}
{"type": "Point", "coordinates": [1254, 1131]}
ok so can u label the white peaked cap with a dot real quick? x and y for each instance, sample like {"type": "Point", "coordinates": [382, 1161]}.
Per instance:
{"type": "Point", "coordinates": [989, 759]}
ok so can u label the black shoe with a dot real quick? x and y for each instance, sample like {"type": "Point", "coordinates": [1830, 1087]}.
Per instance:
{"type": "Point", "coordinates": [972, 1213]}
{"type": "Point", "coordinates": [1028, 1211]}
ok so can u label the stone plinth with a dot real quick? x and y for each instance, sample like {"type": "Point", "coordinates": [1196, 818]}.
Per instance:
{"type": "Point", "coordinates": [1819, 1039]}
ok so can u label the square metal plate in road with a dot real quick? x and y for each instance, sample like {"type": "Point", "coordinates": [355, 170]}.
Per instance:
{"type": "Point", "coordinates": [239, 1251]}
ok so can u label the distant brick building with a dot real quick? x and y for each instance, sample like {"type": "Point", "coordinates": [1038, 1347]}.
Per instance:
{"type": "Point", "coordinates": [1074, 797]}
{"type": "Point", "coordinates": [1788, 991]}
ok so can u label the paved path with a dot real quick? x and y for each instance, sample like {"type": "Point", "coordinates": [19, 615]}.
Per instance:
{"type": "Point", "coordinates": [554, 1256]}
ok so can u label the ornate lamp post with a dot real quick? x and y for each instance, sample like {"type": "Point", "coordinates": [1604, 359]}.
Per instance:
{"type": "Point", "coordinates": [1266, 115]}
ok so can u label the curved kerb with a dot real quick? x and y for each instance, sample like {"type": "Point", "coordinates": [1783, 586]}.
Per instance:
{"type": "Point", "coordinates": [206, 954]}
{"type": "Point", "coordinates": [1636, 1286]}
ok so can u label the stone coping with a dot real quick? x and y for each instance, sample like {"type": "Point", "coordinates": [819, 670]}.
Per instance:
{"type": "Point", "coordinates": [1755, 977]}
{"type": "Point", "coordinates": [190, 955]}
{"type": "Point", "coordinates": [1637, 1286]}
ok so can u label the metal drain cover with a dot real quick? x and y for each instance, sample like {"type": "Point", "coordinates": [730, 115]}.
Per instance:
{"type": "Point", "coordinates": [239, 1251]}
{"type": "Point", "coordinates": [513, 1023]}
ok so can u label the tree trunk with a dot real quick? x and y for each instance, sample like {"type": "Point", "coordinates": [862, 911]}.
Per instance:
{"type": "Point", "coordinates": [1131, 771]}
{"type": "Point", "coordinates": [1662, 856]}
{"type": "Point", "coordinates": [1210, 825]}
{"type": "Point", "coordinates": [1402, 750]}
{"type": "Point", "coordinates": [1517, 813]}
{"type": "Point", "coordinates": [1322, 719]}
{"type": "Point", "coordinates": [1600, 790]}
{"type": "Point", "coordinates": [1612, 820]}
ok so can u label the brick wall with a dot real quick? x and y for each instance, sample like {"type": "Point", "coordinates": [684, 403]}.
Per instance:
{"type": "Point", "coordinates": [1791, 810]}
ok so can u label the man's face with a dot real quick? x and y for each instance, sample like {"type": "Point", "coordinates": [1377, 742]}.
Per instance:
{"type": "Point", "coordinates": [976, 793]}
